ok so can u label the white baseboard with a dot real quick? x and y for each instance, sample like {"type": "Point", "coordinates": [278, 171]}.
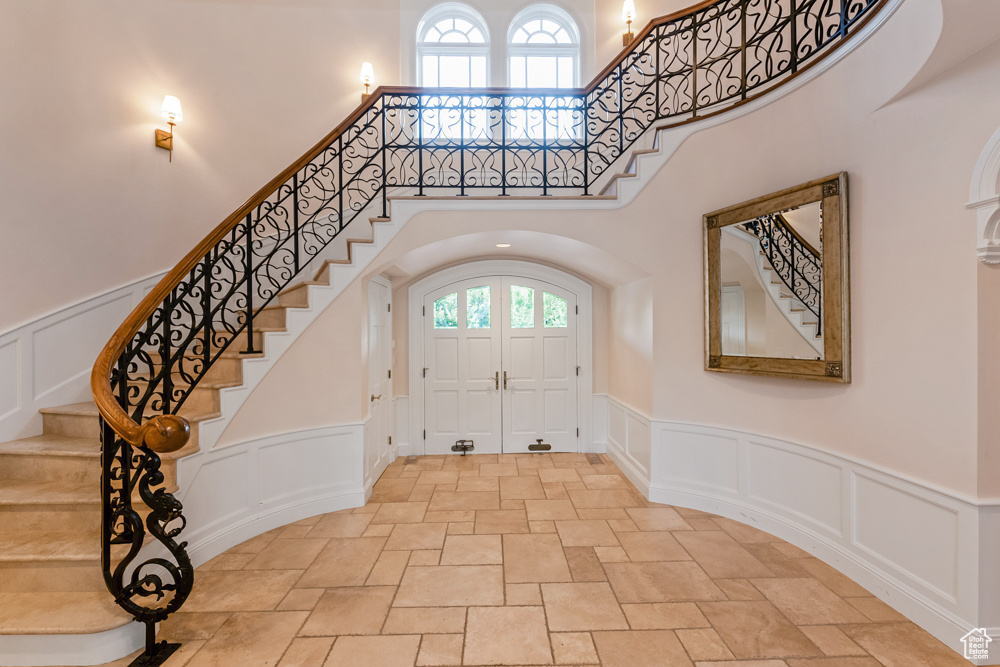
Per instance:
{"type": "Point", "coordinates": [921, 550]}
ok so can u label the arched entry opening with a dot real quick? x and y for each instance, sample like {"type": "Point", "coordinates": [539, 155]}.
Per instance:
{"type": "Point", "coordinates": [500, 354]}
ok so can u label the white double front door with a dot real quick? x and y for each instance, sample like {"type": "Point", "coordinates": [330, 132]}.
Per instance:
{"type": "Point", "coordinates": [500, 365]}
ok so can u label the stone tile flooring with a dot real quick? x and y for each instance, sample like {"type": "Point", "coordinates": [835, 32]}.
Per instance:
{"type": "Point", "coordinates": [531, 560]}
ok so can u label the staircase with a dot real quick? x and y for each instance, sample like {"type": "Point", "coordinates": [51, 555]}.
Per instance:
{"type": "Point", "coordinates": [804, 321]}
{"type": "Point", "coordinates": [50, 503]}
{"type": "Point", "coordinates": [54, 600]}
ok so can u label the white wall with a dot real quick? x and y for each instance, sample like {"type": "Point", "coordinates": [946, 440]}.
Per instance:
{"type": "Point", "coordinates": [90, 204]}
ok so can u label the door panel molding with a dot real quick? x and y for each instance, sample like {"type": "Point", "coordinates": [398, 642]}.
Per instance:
{"type": "Point", "coordinates": [509, 269]}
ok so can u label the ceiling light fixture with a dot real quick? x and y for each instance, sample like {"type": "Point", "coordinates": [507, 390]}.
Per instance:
{"type": "Point", "coordinates": [503, 245]}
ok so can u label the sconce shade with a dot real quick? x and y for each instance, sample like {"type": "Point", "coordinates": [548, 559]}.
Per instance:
{"type": "Point", "coordinates": [367, 74]}
{"type": "Point", "coordinates": [172, 109]}
{"type": "Point", "coordinates": [628, 11]}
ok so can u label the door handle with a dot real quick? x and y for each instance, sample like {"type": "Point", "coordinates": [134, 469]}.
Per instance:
{"type": "Point", "coordinates": [496, 380]}
{"type": "Point", "coordinates": [505, 378]}
{"type": "Point", "coordinates": [375, 398]}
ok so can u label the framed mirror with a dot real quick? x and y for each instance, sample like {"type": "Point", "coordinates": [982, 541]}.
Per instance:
{"type": "Point", "coordinates": [777, 284]}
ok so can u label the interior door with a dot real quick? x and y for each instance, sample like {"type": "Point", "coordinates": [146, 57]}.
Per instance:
{"type": "Point", "coordinates": [539, 376]}
{"type": "Point", "coordinates": [379, 380]}
{"type": "Point", "coordinates": [462, 366]}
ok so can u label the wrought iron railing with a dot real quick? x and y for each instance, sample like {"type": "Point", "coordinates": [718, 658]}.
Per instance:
{"type": "Point", "coordinates": [796, 262]}
{"type": "Point", "coordinates": [680, 68]}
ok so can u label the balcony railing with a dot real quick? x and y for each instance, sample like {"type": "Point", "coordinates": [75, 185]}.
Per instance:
{"type": "Point", "coordinates": [680, 68]}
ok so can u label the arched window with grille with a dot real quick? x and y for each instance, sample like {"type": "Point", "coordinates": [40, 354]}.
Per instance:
{"type": "Point", "coordinates": [543, 49]}
{"type": "Point", "coordinates": [452, 47]}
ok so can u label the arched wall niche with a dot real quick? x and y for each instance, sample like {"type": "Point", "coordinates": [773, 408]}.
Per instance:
{"type": "Point", "coordinates": [984, 199]}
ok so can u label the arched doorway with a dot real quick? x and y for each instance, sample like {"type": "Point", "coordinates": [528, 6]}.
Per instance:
{"type": "Point", "coordinates": [500, 354]}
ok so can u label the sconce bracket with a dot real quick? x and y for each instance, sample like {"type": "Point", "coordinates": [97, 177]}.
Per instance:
{"type": "Point", "coordinates": [165, 139]}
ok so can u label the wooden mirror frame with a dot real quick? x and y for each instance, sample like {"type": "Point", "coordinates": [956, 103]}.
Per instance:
{"type": "Point", "coordinates": [836, 363]}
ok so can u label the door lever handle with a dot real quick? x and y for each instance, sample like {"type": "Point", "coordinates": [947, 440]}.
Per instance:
{"type": "Point", "coordinates": [375, 398]}
{"type": "Point", "coordinates": [505, 378]}
{"type": "Point", "coordinates": [496, 380]}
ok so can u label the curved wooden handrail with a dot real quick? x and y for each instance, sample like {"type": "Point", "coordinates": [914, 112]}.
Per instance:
{"type": "Point", "coordinates": [170, 432]}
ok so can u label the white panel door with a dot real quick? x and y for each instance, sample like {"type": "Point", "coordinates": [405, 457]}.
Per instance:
{"type": "Point", "coordinates": [539, 376]}
{"type": "Point", "coordinates": [462, 366]}
{"type": "Point", "coordinates": [379, 380]}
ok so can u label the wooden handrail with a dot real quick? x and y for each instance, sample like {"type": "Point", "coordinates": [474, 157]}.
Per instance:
{"type": "Point", "coordinates": [169, 432]}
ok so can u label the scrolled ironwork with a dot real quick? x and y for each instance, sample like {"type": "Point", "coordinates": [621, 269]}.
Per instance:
{"type": "Point", "coordinates": [797, 264]}
{"type": "Point", "coordinates": [679, 69]}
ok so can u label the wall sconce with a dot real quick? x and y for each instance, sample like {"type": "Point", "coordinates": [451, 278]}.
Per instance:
{"type": "Point", "coordinates": [171, 111]}
{"type": "Point", "coordinates": [628, 14]}
{"type": "Point", "coordinates": [367, 78]}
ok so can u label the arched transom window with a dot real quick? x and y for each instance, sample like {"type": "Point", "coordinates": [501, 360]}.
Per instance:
{"type": "Point", "coordinates": [543, 49]}
{"type": "Point", "coordinates": [452, 48]}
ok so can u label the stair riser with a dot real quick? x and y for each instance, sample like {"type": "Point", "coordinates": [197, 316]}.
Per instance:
{"type": "Point", "coordinates": [53, 577]}
{"type": "Point", "coordinates": [295, 298]}
{"type": "Point", "coordinates": [226, 369]}
{"type": "Point", "coordinates": [50, 468]}
{"type": "Point", "coordinates": [88, 426]}
{"type": "Point", "coordinates": [43, 468]}
{"type": "Point", "coordinates": [272, 318]}
{"type": "Point", "coordinates": [78, 426]}
{"type": "Point", "coordinates": [40, 519]}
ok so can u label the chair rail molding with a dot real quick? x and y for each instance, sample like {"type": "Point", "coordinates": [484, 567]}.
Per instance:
{"type": "Point", "coordinates": [984, 199]}
{"type": "Point", "coordinates": [926, 551]}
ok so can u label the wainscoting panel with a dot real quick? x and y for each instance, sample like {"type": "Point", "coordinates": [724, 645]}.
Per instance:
{"type": "Point", "coordinates": [10, 379]}
{"type": "Point", "coordinates": [47, 362]}
{"type": "Point", "coordinates": [796, 486]}
{"type": "Point", "coordinates": [925, 552]}
{"type": "Point", "coordinates": [239, 491]}
{"type": "Point", "coordinates": [697, 460]}
{"type": "Point", "coordinates": [893, 526]}
{"type": "Point", "coordinates": [629, 444]}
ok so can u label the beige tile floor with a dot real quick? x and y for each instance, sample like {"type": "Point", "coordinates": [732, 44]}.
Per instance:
{"type": "Point", "coordinates": [531, 560]}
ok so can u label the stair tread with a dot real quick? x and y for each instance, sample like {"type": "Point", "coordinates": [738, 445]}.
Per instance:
{"type": "Point", "coordinates": [59, 613]}
{"type": "Point", "coordinates": [89, 409]}
{"type": "Point", "coordinates": [53, 445]}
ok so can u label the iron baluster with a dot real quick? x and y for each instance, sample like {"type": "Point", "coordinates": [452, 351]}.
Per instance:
{"type": "Point", "coordinates": [503, 146]}
{"type": "Point", "coordinates": [165, 355]}
{"type": "Point", "coordinates": [545, 146]}
{"type": "Point", "coordinates": [743, 49]}
{"type": "Point", "coordinates": [206, 306]}
{"type": "Point", "coordinates": [420, 145]}
{"type": "Point", "coordinates": [385, 176]}
{"type": "Point", "coordinates": [295, 218]}
{"type": "Point", "coordinates": [461, 145]}
{"type": "Point", "coordinates": [248, 262]}
{"type": "Point", "coordinates": [694, 68]}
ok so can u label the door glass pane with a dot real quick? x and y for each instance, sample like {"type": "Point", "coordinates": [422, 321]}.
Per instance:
{"type": "Point", "coordinates": [522, 307]}
{"type": "Point", "coordinates": [555, 310]}
{"type": "Point", "coordinates": [478, 308]}
{"type": "Point", "coordinates": [446, 312]}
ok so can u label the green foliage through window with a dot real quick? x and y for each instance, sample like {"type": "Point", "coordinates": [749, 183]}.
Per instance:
{"type": "Point", "coordinates": [522, 307]}
{"type": "Point", "coordinates": [446, 312]}
{"type": "Point", "coordinates": [477, 314]}
{"type": "Point", "coordinates": [556, 310]}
